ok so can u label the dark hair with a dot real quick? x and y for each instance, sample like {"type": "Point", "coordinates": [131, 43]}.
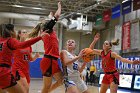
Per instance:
{"type": "Point", "coordinates": [114, 42]}
{"type": "Point", "coordinates": [5, 30]}
{"type": "Point", "coordinates": [10, 27]}
{"type": "Point", "coordinates": [18, 37]}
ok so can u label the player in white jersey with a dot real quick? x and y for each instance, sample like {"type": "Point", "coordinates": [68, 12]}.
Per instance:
{"type": "Point", "coordinates": [71, 69]}
{"type": "Point", "coordinates": [73, 81]}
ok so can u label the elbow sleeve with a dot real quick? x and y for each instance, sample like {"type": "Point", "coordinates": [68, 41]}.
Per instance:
{"type": "Point", "coordinates": [48, 27]}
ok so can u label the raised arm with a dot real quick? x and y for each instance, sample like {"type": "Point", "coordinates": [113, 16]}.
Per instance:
{"type": "Point", "coordinates": [49, 25]}
{"type": "Point", "coordinates": [95, 51]}
{"type": "Point", "coordinates": [58, 12]}
{"type": "Point", "coordinates": [116, 56]}
{"type": "Point", "coordinates": [96, 38]}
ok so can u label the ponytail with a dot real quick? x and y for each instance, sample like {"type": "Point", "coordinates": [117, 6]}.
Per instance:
{"type": "Point", "coordinates": [35, 30]}
{"type": "Point", "coordinates": [5, 30]}
{"type": "Point", "coordinates": [114, 42]}
{"type": "Point", "coordinates": [18, 37]}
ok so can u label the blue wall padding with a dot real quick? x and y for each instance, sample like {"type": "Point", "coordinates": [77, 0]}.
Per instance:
{"type": "Point", "coordinates": [35, 71]}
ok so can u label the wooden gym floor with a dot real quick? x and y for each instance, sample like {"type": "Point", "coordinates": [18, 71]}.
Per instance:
{"type": "Point", "coordinates": [36, 85]}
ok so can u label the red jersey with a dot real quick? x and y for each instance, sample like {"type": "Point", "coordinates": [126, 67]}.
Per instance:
{"type": "Point", "coordinates": [22, 58]}
{"type": "Point", "coordinates": [51, 45]}
{"type": "Point", "coordinates": [5, 52]}
{"type": "Point", "coordinates": [108, 63]}
{"type": "Point", "coordinates": [9, 44]}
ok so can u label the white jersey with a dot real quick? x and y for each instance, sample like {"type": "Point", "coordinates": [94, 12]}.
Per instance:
{"type": "Point", "coordinates": [73, 75]}
{"type": "Point", "coordinates": [72, 69]}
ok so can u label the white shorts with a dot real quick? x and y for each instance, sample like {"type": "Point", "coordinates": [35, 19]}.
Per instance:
{"type": "Point", "coordinates": [80, 84]}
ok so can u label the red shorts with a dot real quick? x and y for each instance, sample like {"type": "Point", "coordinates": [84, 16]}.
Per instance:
{"type": "Point", "coordinates": [49, 66]}
{"type": "Point", "coordinates": [20, 73]}
{"type": "Point", "coordinates": [6, 78]}
{"type": "Point", "coordinates": [109, 78]}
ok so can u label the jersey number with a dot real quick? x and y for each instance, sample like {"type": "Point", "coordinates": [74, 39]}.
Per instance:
{"type": "Point", "coordinates": [26, 57]}
{"type": "Point", "coordinates": [75, 66]}
{"type": "Point", "coordinates": [1, 45]}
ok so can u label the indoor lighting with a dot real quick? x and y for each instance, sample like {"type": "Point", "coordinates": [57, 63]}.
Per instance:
{"type": "Point", "coordinates": [124, 1]}
{"type": "Point", "coordinates": [37, 8]}
{"type": "Point", "coordinates": [20, 6]}
{"type": "Point", "coordinates": [17, 6]}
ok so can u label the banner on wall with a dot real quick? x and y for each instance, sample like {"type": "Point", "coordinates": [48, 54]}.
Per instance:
{"type": "Point", "coordinates": [122, 65]}
{"type": "Point", "coordinates": [116, 11]}
{"type": "Point", "coordinates": [119, 64]}
{"type": "Point", "coordinates": [99, 20]}
{"type": "Point", "coordinates": [135, 35]}
{"type": "Point", "coordinates": [136, 5]}
{"type": "Point", "coordinates": [107, 15]}
{"type": "Point", "coordinates": [126, 35]}
{"type": "Point", "coordinates": [118, 35]}
{"type": "Point", "coordinates": [126, 7]}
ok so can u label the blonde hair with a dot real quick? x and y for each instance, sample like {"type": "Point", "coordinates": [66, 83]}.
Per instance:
{"type": "Point", "coordinates": [18, 37]}
{"type": "Point", "coordinates": [36, 30]}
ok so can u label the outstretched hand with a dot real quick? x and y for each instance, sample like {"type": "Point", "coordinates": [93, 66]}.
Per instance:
{"type": "Point", "coordinates": [58, 12]}
{"type": "Point", "coordinates": [59, 4]}
{"type": "Point", "coordinates": [81, 53]}
{"type": "Point", "coordinates": [136, 62]}
{"type": "Point", "coordinates": [97, 37]}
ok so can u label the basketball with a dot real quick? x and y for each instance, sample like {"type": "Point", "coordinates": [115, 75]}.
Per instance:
{"type": "Point", "coordinates": [88, 55]}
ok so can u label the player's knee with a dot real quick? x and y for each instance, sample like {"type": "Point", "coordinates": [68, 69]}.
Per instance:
{"type": "Point", "coordinates": [114, 90]}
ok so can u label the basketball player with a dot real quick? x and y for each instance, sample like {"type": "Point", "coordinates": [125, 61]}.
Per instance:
{"type": "Point", "coordinates": [111, 77]}
{"type": "Point", "coordinates": [49, 65]}
{"type": "Point", "coordinates": [22, 57]}
{"type": "Point", "coordinates": [72, 70]}
{"type": "Point", "coordinates": [7, 45]}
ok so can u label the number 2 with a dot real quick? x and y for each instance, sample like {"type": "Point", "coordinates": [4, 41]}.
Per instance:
{"type": "Point", "coordinates": [75, 66]}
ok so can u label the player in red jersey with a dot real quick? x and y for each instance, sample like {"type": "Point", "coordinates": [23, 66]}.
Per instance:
{"type": "Point", "coordinates": [22, 57]}
{"type": "Point", "coordinates": [7, 45]}
{"type": "Point", "coordinates": [49, 65]}
{"type": "Point", "coordinates": [111, 77]}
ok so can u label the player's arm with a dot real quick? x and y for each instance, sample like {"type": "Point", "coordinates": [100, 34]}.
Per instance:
{"type": "Point", "coordinates": [96, 38]}
{"type": "Point", "coordinates": [118, 57]}
{"type": "Point", "coordinates": [15, 44]}
{"type": "Point", "coordinates": [97, 51]}
{"type": "Point", "coordinates": [82, 67]}
{"type": "Point", "coordinates": [33, 58]}
{"type": "Point", "coordinates": [67, 61]}
{"type": "Point", "coordinates": [48, 27]}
